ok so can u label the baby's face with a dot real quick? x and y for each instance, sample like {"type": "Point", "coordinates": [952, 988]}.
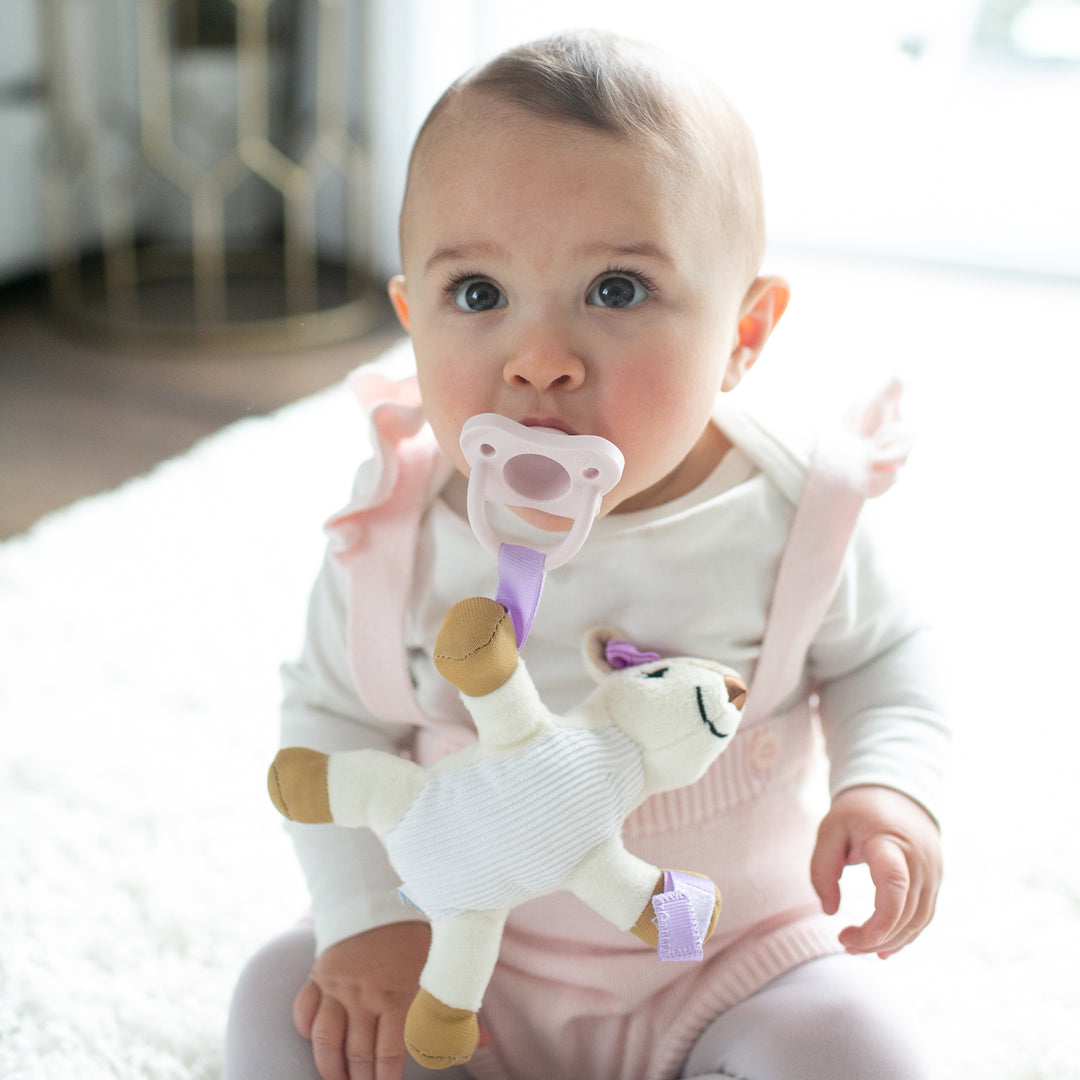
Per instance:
{"type": "Point", "coordinates": [566, 278]}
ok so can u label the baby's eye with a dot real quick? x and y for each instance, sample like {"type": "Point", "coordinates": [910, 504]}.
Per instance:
{"type": "Point", "coordinates": [478, 294]}
{"type": "Point", "coordinates": [617, 291]}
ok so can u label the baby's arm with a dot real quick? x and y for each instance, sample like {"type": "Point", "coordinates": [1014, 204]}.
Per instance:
{"type": "Point", "coordinates": [352, 885]}
{"type": "Point", "coordinates": [370, 946]}
{"type": "Point", "coordinates": [887, 739]}
{"type": "Point", "coordinates": [887, 742]}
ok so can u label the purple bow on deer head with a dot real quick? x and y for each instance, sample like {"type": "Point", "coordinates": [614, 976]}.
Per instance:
{"type": "Point", "coordinates": [623, 654]}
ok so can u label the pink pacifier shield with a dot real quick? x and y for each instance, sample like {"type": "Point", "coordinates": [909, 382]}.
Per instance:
{"type": "Point", "coordinates": [547, 470]}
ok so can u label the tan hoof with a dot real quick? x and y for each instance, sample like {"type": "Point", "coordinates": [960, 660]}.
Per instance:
{"type": "Point", "coordinates": [645, 927]}
{"type": "Point", "coordinates": [438, 1036]}
{"type": "Point", "coordinates": [476, 649]}
{"type": "Point", "coordinates": [715, 916]}
{"type": "Point", "coordinates": [297, 785]}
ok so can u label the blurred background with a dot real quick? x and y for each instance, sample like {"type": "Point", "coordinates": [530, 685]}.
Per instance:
{"type": "Point", "coordinates": [198, 198]}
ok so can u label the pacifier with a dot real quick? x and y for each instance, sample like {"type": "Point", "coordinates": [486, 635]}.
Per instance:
{"type": "Point", "coordinates": [539, 468]}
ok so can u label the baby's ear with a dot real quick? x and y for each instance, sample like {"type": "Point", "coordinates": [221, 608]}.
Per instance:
{"type": "Point", "coordinates": [762, 307]}
{"type": "Point", "coordinates": [595, 650]}
{"type": "Point", "coordinates": [399, 298]}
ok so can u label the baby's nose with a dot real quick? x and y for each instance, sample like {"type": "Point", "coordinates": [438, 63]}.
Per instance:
{"type": "Point", "coordinates": [545, 361]}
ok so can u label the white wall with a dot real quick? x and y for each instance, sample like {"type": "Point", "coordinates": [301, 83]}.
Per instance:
{"type": "Point", "coordinates": [865, 148]}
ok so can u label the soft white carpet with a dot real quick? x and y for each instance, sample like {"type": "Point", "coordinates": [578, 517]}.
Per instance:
{"type": "Point", "coordinates": [140, 634]}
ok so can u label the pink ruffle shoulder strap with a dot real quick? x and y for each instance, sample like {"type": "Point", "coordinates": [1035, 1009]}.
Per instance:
{"type": "Point", "coordinates": [857, 461]}
{"type": "Point", "coordinates": [375, 539]}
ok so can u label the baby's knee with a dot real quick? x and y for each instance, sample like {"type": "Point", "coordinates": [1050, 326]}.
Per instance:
{"type": "Point", "coordinates": [876, 1033]}
{"type": "Point", "coordinates": [283, 961]}
{"type": "Point", "coordinates": [260, 1038]}
{"type": "Point", "coordinates": [829, 1019]}
{"type": "Point", "coordinates": [858, 1036]}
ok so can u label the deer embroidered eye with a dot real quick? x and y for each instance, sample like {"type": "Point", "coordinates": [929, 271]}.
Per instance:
{"type": "Point", "coordinates": [659, 673]}
{"type": "Point", "coordinates": [705, 716]}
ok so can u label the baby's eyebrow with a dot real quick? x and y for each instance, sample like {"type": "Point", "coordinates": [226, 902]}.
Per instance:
{"type": "Point", "coordinates": [459, 252]}
{"type": "Point", "coordinates": [641, 249]}
{"type": "Point", "coordinates": [481, 249]}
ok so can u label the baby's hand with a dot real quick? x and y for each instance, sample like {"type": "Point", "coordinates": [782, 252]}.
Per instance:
{"type": "Point", "coordinates": [900, 843]}
{"type": "Point", "coordinates": [354, 1003]}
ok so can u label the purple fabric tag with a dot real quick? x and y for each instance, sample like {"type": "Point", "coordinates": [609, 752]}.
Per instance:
{"type": "Point", "coordinates": [622, 654]}
{"type": "Point", "coordinates": [683, 911]}
{"type": "Point", "coordinates": [678, 933]}
{"type": "Point", "coordinates": [521, 578]}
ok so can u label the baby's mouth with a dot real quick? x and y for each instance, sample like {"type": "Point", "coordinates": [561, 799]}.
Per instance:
{"type": "Point", "coordinates": [543, 470]}
{"type": "Point", "coordinates": [549, 423]}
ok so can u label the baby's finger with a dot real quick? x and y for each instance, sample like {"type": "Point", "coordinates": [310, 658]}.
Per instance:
{"type": "Point", "coordinates": [889, 873]}
{"type": "Point", "coordinates": [387, 1042]}
{"type": "Point", "coordinates": [328, 1040]}
{"type": "Point", "coordinates": [305, 1006]}
{"type": "Point", "coordinates": [827, 864]}
{"type": "Point", "coordinates": [911, 924]}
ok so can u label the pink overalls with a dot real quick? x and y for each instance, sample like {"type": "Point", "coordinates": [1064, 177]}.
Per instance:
{"type": "Point", "coordinates": [571, 996]}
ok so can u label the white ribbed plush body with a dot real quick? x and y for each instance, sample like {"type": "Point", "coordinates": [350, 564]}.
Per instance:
{"type": "Point", "coordinates": [494, 832]}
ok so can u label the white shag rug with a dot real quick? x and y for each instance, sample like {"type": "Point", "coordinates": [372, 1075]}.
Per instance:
{"type": "Point", "coordinates": [140, 636]}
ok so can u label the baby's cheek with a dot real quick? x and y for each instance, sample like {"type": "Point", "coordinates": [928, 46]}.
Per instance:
{"type": "Point", "coordinates": [446, 410]}
{"type": "Point", "coordinates": [658, 426]}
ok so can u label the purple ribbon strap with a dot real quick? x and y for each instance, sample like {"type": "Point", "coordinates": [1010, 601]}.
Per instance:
{"type": "Point", "coordinates": [683, 913]}
{"type": "Point", "coordinates": [521, 577]}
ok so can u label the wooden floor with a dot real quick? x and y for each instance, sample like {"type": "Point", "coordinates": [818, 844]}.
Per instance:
{"type": "Point", "coordinates": [77, 418]}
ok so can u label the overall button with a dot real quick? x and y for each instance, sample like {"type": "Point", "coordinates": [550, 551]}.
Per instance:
{"type": "Point", "coordinates": [763, 750]}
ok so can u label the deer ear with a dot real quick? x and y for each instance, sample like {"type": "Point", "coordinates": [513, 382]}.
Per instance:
{"type": "Point", "coordinates": [736, 691]}
{"type": "Point", "coordinates": [595, 649]}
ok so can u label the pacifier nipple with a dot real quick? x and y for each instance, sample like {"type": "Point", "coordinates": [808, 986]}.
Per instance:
{"type": "Point", "coordinates": [539, 468]}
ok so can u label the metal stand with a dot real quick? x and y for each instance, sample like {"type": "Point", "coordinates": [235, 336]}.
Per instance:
{"type": "Point", "coordinates": [205, 184]}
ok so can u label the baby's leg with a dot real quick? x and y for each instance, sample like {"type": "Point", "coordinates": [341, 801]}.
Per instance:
{"type": "Point", "coordinates": [829, 1019]}
{"type": "Point", "coordinates": [261, 1042]}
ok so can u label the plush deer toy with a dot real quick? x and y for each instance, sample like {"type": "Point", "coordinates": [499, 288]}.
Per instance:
{"type": "Point", "coordinates": [535, 805]}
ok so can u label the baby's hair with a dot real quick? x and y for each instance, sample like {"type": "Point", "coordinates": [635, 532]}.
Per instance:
{"type": "Point", "coordinates": [588, 77]}
{"type": "Point", "coordinates": [630, 90]}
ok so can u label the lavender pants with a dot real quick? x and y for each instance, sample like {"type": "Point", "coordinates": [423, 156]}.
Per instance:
{"type": "Point", "coordinates": [829, 1019]}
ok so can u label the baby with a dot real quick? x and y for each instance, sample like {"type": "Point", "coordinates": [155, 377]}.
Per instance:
{"type": "Point", "coordinates": [582, 236]}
